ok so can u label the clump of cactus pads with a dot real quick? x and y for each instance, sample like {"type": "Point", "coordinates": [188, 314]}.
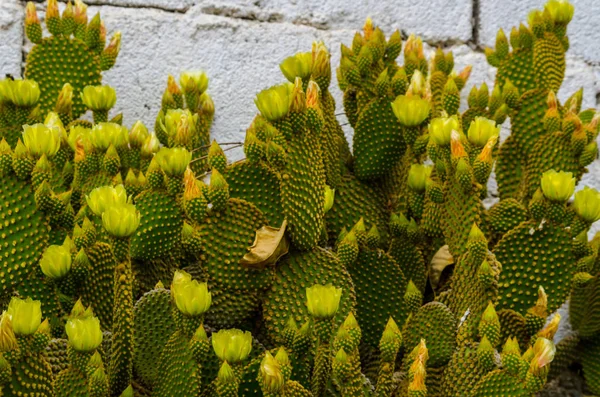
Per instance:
{"type": "Point", "coordinates": [138, 263]}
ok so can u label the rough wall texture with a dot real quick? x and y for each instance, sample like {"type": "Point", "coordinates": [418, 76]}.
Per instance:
{"type": "Point", "coordinates": [239, 43]}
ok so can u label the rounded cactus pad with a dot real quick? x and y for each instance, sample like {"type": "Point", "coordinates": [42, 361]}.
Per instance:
{"type": "Point", "coordinates": [259, 185]}
{"type": "Point", "coordinates": [296, 272]}
{"type": "Point", "coordinates": [58, 60]}
{"type": "Point", "coordinates": [534, 255]}
{"type": "Point", "coordinates": [226, 236]}
{"type": "Point", "coordinates": [379, 285]}
{"type": "Point", "coordinates": [23, 229]}
{"type": "Point", "coordinates": [160, 226]}
{"type": "Point", "coordinates": [98, 291]}
{"type": "Point", "coordinates": [378, 142]}
{"type": "Point", "coordinates": [435, 323]}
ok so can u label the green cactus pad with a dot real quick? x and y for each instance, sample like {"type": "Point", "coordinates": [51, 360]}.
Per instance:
{"type": "Point", "coordinates": [353, 200]}
{"type": "Point", "coordinates": [303, 191]}
{"type": "Point", "coordinates": [590, 358]}
{"type": "Point", "coordinates": [410, 260]}
{"type": "Point", "coordinates": [56, 354]}
{"type": "Point", "coordinates": [295, 273]}
{"type": "Point", "coordinates": [534, 256]}
{"type": "Point", "coordinates": [435, 323]}
{"type": "Point", "coordinates": [500, 383]}
{"type": "Point", "coordinates": [98, 291]}
{"type": "Point", "coordinates": [58, 60]}
{"type": "Point", "coordinates": [177, 371]}
{"type": "Point", "coordinates": [584, 308]}
{"type": "Point", "coordinates": [23, 229]}
{"type": "Point", "coordinates": [154, 326]}
{"type": "Point", "coordinates": [512, 325]}
{"type": "Point", "coordinates": [463, 372]}
{"type": "Point", "coordinates": [259, 185]}
{"type": "Point", "coordinates": [379, 285]}
{"type": "Point", "coordinates": [378, 142]}
{"type": "Point", "coordinates": [506, 215]}
{"type": "Point", "coordinates": [230, 309]}
{"type": "Point", "coordinates": [160, 226]}
{"type": "Point", "coordinates": [226, 236]}
{"type": "Point", "coordinates": [31, 376]}
{"type": "Point", "coordinates": [510, 169]}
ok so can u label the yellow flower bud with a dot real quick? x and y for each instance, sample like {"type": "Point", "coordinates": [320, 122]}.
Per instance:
{"type": "Point", "coordinates": [56, 261]}
{"type": "Point", "coordinates": [440, 129]}
{"type": "Point", "coordinates": [274, 103]}
{"type": "Point", "coordinates": [558, 186]}
{"type": "Point", "coordinates": [320, 60]}
{"type": "Point", "coordinates": [196, 81]}
{"type": "Point", "coordinates": [271, 375]}
{"type": "Point", "coordinates": [25, 93]}
{"type": "Point", "coordinates": [40, 140]}
{"type": "Point", "coordinates": [151, 146]}
{"type": "Point", "coordinates": [139, 134]}
{"type": "Point", "coordinates": [25, 314]}
{"type": "Point", "coordinates": [417, 84]}
{"type": "Point", "coordinates": [84, 333]}
{"type": "Point", "coordinates": [329, 197]}
{"type": "Point", "coordinates": [323, 301]}
{"type": "Point", "coordinates": [587, 204]}
{"type": "Point", "coordinates": [232, 345]}
{"type": "Point", "coordinates": [173, 161]}
{"type": "Point", "coordinates": [298, 65]}
{"type": "Point", "coordinates": [481, 130]}
{"type": "Point", "coordinates": [99, 97]}
{"type": "Point", "coordinates": [411, 111]}
{"type": "Point", "coordinates": [64, 103]}
{"type": "Point", "coordinates": [103, 135]}
{"type": "Point", "coordinates": [121, 220]}
{"type": "Point", "coordinates": [561, 11]}
{"type": "Point", "coordinates": [192, 298]}
{"type": "Point", "coordinates": [418, 176]}
{"type": "Point", "coordinates": [8, 340]}
{"type": "Point", "coordinates": [102, 198]}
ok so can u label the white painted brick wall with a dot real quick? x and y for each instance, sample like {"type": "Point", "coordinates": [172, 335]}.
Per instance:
{"type": "Point", "coordinates": [240, 43]}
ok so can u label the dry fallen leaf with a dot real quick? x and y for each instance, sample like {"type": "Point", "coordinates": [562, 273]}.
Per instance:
{"type": "Point", "coordinates": [269, 245]}
{"type": "Point", "coordinates": [439, 262]}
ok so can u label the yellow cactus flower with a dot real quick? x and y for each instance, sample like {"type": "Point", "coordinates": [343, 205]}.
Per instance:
{"type": "Point", "coordinates": [8, 340]}
{"type": "Point", "coordinates": [25, 314]}
{"type": "Point", "coordinates": [440, 129]}
{"type": "Point", "coordinates": [561, 11]}
{"type": "Point", "coordinates": [84, 333]}
{"type": "Point", "coordinates": [40, 140]}
{"type": "Point", "coordinates": [103, 135]}
{"type": "Point", "coordinates": [418, 176]}
{"type": "Point", "coordinates": [192, 298]}
{"type": "Point", "coordinates": [544, 351]}
{"type": "Point", "coordinates": [411, 111]}
{"type": "Point", "coordinates": [102, 198]}
{"type": "Point", "coordinates": [65, 99]}
{"type": "Point", "coordinates": [196, 81]}
{"type": "Point", "coordinates": [151, 145]}
{"type": "Point", "coordinates": [56, 261]}
{"type": "Point", "coordinates": [274, 103]}
{"type": "Point", "coordinates": [99, 97]}
{"type": "Point", "coordinates": [323, 301]}
{"type": "Point", "coordinates": [587, 204]}
{"type": "Point", "coordinates": [173, 161]}
{"type": "Point", "coordinates": [271, 375]}
{"type": "Point", "coordinates": [320, 59]}
{"type": "Point", "coordinates": [232, 345]}
{"type": "Point", "coordinates": [176, 118]}
{"type": "Point", "coordinates": [481, 130]}
{"type": "Point", "coordinates": [25, 93]}
{"type": "Point", "coordinates": [298, 65]}
{"type": "Point", "coordinates": [558, 186]}
{"type": "Point", "coordinates": [121, 220]}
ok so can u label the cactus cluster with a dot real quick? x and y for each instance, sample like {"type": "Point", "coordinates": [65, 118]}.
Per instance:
{"type": "Point", "coordinates": [145, 264]}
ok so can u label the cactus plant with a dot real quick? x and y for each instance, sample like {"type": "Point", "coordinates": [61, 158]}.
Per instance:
{"type": "Point", "coordinates": [306, 269]}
